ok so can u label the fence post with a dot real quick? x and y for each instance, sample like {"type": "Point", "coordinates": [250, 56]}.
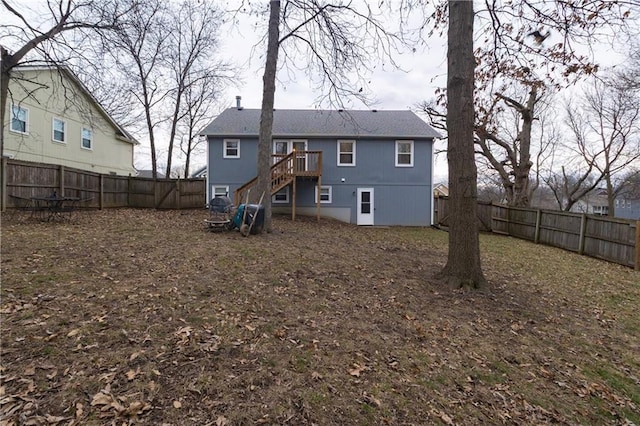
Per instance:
{"type": "Point", "coordinates": [536, 237]}
{"type": "Point", "coordinates": [178, 194]}
{"type": "Point", "coordinates": [583, 229]}
{"type": "Point", "coordinates": [61, 185]}
{"type": "Point", "coordinates": [101, 195]}
{"type": "Point", "coordinates": [637, 245]}
{"type": "Point", "coordinates": [3, 189]}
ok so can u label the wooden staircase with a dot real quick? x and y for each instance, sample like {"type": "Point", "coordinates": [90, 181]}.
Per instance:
{"type": "Point", "coordinates": [285, 171]}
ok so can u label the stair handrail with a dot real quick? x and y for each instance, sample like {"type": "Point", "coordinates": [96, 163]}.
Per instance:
{"type": "Point", "coordinates": [275, 167]}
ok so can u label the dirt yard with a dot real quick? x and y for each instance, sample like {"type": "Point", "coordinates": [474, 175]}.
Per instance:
{"type": "Point", "coordinates": [143, 317]}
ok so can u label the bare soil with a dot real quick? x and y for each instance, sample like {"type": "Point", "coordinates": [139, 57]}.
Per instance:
{"type": "Point", "coordinates": [145, 317]}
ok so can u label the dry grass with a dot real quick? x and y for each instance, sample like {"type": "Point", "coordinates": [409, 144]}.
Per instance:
{"type": "Point", "coordinates": [143, 317]}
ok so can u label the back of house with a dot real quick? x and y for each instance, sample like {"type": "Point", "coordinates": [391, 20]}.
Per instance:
{"type": "Point", "coordinates": [365, 167]}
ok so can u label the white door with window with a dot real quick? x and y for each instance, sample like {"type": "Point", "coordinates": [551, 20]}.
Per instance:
{"type": "Point", "coordinates": [364, 215]}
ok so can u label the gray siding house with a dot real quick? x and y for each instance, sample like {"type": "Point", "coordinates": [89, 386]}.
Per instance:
{"type": "Point", "coordinates": [363, 167]}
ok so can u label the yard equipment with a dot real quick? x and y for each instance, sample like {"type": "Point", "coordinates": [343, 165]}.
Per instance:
{"type": "Point", "coordinates": [256, 215]}
{"type": "Point", "coordinates": [223, 215]}
{"type": "Point", "coordinates": [221, 212]}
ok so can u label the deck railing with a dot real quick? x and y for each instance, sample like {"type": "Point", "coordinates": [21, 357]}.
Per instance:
{"type": "Point", "coordinates": [286, 167]}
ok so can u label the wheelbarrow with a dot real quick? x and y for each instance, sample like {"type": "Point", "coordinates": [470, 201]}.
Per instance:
{"type": "Point", "coordinates": [249, 218]}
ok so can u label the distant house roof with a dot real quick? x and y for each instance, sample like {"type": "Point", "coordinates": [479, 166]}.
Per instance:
{"type": "Point", "coordinates": [121, 133]}
{"type": "Point", "coordinates": [240, 122]}
{"type": "Point", "coordinates": [149, 174]}
{"type": "Point", "coordinates": [440, 189]}
{"type": "Point", "coordinates": [201, 172]}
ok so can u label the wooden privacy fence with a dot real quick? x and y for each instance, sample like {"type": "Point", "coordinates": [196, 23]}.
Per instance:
{"type": "Point", "coordinates": [615, 240]}
{"type": "Point", "coordinates": [25, 180]}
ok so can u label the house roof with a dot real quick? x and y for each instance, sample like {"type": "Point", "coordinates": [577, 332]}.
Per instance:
{"type": "Point", "coordinates": [121, 133]}
{"type": "Point", "coordinates": [149, 174]}
{"type": "Point", "coordinates": [238, 122]}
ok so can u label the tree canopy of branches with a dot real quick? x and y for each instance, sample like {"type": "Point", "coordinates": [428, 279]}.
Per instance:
{"type": "Point", "coordinates": [604, 125]}
{"type": "Point", "coordinates": [167, 52]}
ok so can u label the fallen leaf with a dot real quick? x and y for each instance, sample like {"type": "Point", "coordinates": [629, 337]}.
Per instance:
{"type": "Point", "coordinates": [136, 408]}
{"type": "Point", "coordinates": [132, 374]}
{"type": "Point", "coordinates": [73, 332]}
{"type": "Point", "coordinates": [357, 369]}
{"type": "Point", "coordinates": [79, 410]}
{"type": "Point", "coordinates": [101, 399]}
{"type": "Point", "coordinates": [446, 418]}
{"type": "Point", "coordinates": [222, 421]}
{"type": "Point", "coordinates": [55, 419]}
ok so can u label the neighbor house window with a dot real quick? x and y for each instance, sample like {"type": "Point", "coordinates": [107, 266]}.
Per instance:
{"type": "Point", "coordinates": [87, 138]}
{"type": "Point", "coordinates": [19, 119]}
{"type": "Point", "coordinates": [404, 153]}
{"type": "Point", "coordinates": [346, 153]}
{"type": "Point", "coordinates": [220, 191]}
{"type": "Point", "coordinates": [281, 196]}
{"type": "Point", "coordinates": [59, 130]}
{"type": "Point", "coordinates": [325, 194]}
{"type": "Point", "coordinates": [231, 148]}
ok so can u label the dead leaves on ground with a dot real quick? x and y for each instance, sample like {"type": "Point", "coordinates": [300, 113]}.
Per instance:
{"type": "Point", "coordinates": [121, 406]}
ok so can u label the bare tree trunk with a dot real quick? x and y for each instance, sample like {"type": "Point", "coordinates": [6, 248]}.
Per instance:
{"type": "Point", "coordinates": [521, 179]}
{"type": "Point", "coordinates": [266, 116]}
{"type": "Point", "coordinates": [463, 267]}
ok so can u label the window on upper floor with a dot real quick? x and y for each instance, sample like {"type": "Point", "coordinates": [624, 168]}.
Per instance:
{"type": "Point", "coordinates": [59, 130]}
{"type": "Point", "coordinates": [281, 196]}
{"type": "Point", "coordinates": [346, 153]}
{"type": "Point", "coordinates": [19, 119]}
{"type": "Point", "coordinates": [231, 148]}
{"type": "Point", "coordinates": [325, 194]}
{"type": "Point", "coordinates": [87, 138]}
{"type": "Point", "coordinates": [404, 153]}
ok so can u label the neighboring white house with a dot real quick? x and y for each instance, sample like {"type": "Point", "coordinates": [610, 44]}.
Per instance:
{"type": "Point", "coordinates": [52, 118]}
{"type": "Point", "coordinates": [593, 203]}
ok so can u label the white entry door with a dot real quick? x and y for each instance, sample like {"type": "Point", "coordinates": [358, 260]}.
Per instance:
{"type": "Point", "coordinates": [365, 206]}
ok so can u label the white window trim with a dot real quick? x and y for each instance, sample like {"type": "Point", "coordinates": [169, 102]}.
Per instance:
{"type": "Point", "coordinates": [329, 201]}
{"type": "Point", "coordinates": [53, 130]}
{"type": "Point", "coordinates": [224, 148]}
{"type": "Point", "coordinates": [353, 153]}
{"type": "Point", "coordinates": [26, 124]}
{"type": "Point", "coordinates": [214, 187]}
{"type": "Point", "coordinates": [82, 129]}
{"type": "Point", "coordinates": [398, 142]}
{"type": "Point", "coordinates": [286, 193]}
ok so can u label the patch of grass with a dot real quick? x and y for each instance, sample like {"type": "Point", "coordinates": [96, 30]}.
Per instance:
{"type": "Point", "coordinates": [620, 383]}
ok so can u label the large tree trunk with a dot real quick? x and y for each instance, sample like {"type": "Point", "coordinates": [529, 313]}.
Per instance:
{"type": "Point", "coordinates": [266, 116]}
{"type": "Point", "coordinates": [463, 265]}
